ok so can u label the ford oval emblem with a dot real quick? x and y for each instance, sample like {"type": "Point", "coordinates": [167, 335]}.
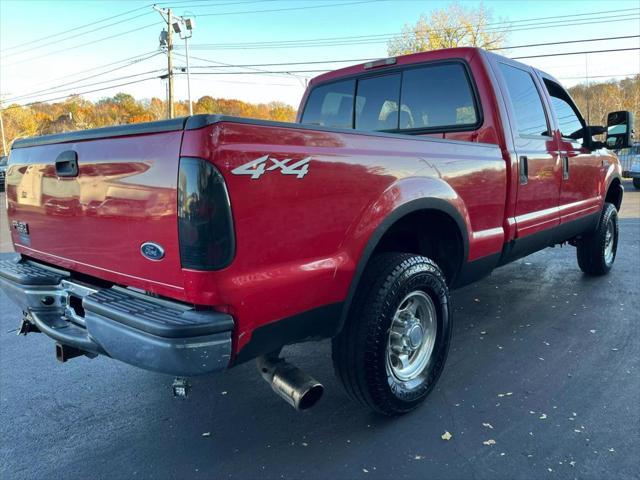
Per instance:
{"type": "Point", "coordinates": [152, 251]}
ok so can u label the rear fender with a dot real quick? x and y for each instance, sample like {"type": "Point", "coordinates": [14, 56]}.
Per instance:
{"type": "Point", "coordinates": [400, 199]}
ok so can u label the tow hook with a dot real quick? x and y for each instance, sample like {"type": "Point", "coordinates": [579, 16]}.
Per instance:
{"type": "Point", "coordinates": [298, 389]}
{"type": "Point", "coordinates": [180, 387]}
{"type": "Point", "coordinates": [27, 326]}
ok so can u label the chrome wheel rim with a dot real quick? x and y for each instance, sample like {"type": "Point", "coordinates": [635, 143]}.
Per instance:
{"type": "Point", "coordinates": [609, 242]}
{"type": "Point", "coordinates": [412, 336]}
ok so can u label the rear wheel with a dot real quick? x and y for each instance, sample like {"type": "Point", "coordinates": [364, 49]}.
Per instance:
{"type": "Point", "coordinates": [394, 344]}
{"type": "Point", "coordinates": [597, 251]}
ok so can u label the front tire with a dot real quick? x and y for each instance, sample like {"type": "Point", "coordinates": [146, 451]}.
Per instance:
{"type": "Point", "coordinates": [394, 344]}
{"type": "Point", "coordinates": [597, 251]}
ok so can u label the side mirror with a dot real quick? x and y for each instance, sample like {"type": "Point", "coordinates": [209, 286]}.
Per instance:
{"type": "Point", "coordinates": [619, 130]}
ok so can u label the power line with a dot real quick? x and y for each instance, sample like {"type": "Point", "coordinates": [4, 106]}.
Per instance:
{"type": "Point", "coordinates": [57, 90]}
{"type": "Point", "coordinates": [513, 58]}
{"type": "Point", "coordinates": [288, 9]}
{"type": "Point", "coordinates": [620, 75]}
{"type": "Point", "coordinates": [154, 52]}
{"type": "Point", "coordinates": [66, 49]}
{"type": "Point", "coordinates": [316, 62]}
{"type": "Point", "coordinates": [385, 36]}
{"type": "Point", "coordinates": [71, 37]}
{"type": "Point", "coordinates": [578, 53]}
{"type": "Point", "coordinates": [75, 28]}
{"type": "Point", "coordinates": [80, 27]}
{"type": "Point", "coordinates": [45, 90]}
{"type": "Point", "coordinates": [81, 93]}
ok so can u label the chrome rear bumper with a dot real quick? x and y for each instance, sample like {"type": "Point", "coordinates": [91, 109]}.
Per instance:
{"type": "Point", "coordinates": [138, 329]}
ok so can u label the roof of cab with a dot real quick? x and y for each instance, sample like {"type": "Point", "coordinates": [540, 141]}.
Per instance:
{"type": "Point", "coordinates": [465, 53]}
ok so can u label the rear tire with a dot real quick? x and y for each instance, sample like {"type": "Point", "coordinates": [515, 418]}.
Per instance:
{"type": "Point", "coordinates": [597, 251]}
{"type": "Point", "coordinates": [393, 347]}
{"type": "Point", "coordinates": [636, 183]}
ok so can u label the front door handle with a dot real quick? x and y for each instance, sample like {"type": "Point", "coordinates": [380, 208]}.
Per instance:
{"type": "Point", "coordinates": [523, 163]}
{"type": "Point", "coordinates": [67, 164]}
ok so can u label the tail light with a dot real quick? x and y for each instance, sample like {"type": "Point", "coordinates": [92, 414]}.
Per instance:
{"type": "Point", "coordinates": [205, 226]}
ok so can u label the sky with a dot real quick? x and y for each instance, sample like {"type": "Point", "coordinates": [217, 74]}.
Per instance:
{"type": "Point", "coordinates": [226, 32]}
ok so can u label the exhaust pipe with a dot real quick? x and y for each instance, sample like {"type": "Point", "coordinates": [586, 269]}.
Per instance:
{"type": "Point", "coordinates": [65, 352]}
{"type": "Point", "coordinates": [298, 389]}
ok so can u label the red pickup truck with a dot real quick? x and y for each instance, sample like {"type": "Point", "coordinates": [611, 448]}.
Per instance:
{"type": "Point", "coordinates": [192, 245]}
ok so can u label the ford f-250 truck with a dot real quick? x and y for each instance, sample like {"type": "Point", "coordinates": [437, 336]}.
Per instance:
{"type": "Point", "coordinates": [192, 245]}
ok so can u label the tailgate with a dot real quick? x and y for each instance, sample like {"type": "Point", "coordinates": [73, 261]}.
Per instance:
{"type": "Point", "coordinates": [124, 195]}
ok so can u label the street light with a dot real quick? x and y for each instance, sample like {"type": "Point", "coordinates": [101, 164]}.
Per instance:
{"type": "Point", "coordinates": [185, 34]}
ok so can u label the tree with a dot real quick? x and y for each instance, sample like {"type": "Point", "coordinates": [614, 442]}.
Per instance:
{"type": "Point", "coordinates": [598, 99]}
{"type": "Point", "coordinates": [454, 26]}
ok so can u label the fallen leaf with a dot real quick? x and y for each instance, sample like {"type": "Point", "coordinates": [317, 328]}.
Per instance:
{"type": "Point", "coordinates": [489, 442]}
{"type": "Point", "coordinates": [488, 425]}
{"type": "Point", "coordinates": [446, 436]}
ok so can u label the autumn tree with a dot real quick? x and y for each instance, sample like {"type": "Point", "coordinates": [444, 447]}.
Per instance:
{"type": "Point", "coordinates": [596, 100]}
{"type": "Point", "coordinates": [77, 113]}
{"type": "Point", "coordinates": [453, 26]}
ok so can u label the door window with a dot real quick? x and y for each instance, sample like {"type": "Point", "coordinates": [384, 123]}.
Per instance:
{"type": "Point", "coordinates": [526, 101]}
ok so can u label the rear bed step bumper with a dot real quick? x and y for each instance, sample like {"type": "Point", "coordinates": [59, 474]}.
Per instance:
{"type": "Point", "coordinates": [137, 329]}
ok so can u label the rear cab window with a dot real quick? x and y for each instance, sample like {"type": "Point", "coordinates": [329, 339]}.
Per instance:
{"type": "Point", "coordinates": [425, 98]}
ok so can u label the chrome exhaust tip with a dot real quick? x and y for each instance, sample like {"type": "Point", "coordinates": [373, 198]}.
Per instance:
{"type": "Point", "coordinates": [298, 389]}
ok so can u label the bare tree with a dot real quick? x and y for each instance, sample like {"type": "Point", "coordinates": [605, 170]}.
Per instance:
{"type": "Point", "coordinates": [454, 26]}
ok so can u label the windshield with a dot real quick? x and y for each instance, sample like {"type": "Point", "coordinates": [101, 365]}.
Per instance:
{"type": "Point", "coordinates": [3, 161]}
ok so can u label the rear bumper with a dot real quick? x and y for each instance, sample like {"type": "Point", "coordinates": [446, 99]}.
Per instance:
{"type": "Point", "coordinates": [137, 329]}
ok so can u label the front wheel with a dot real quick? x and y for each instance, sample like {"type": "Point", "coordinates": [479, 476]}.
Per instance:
{"type": "Point", "coordinates": [636, 183]}
{"type": "Point", "coordinates": [394, 344]}
{"type": "Point", "coordinates": [597, 251]}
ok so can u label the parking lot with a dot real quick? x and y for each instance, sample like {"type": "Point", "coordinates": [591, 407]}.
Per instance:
{"type": "Point", "coordinates": [542, 382]}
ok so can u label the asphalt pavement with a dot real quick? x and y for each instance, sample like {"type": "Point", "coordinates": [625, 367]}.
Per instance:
{"type": "Point", "coordinates": [542, 382]}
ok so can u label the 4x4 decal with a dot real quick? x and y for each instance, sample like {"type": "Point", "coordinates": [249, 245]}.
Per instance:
{"type": "Point", "coordinates": [257, 167]}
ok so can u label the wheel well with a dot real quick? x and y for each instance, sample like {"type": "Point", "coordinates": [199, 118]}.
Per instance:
{"type": "Point", "coordinates": [614, 194]}
{"type": "Point", "coordinates": [431, 233]}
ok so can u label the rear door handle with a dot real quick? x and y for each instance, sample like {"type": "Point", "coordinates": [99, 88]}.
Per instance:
{"type": "Point", "coordinates": [67, 164]}
{"type": "Point", "coordinates": [523, 164]}
{"type": "Point", "coordinates": [565, 167]}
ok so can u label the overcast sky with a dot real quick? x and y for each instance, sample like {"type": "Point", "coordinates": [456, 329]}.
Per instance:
{"type": "Point", "coordinates": [224, 28]}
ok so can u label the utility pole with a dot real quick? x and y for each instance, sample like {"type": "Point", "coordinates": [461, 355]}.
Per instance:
{"type": "Point", "coordinates": [167, 41]}
{"type": "Point", "coordinates": [170, 61]}
{"type": "Point", "coordinates": [4, 142]}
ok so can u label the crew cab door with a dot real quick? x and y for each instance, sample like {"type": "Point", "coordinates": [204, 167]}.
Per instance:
{"type": "Point", "coordinates": [579, 193]}
{"type": "Point", "coordinates": [539, 172]}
